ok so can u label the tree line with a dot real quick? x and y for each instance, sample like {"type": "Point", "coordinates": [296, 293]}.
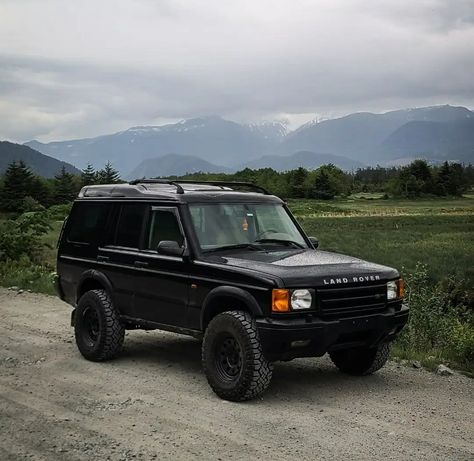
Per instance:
{"type": "Point", "coordinates": [21, 190]}
{"type": "Point", "coordinates": [328, 181]}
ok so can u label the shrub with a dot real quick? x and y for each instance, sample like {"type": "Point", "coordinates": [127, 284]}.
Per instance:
{"type": "Point", "coordinates": [30, 204]}
{"type": "Point", "coordinates": [25, 275]}
{"type": "Point", "coordinates": [21, 237]}
{"type": "Point", "coordinates": [440, 323]}
{"type": "Point", "coordinates": [59, 212]}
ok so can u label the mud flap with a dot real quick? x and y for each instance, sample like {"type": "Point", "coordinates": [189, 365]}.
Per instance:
{"type": "Point", "coordinates": [73, 317]}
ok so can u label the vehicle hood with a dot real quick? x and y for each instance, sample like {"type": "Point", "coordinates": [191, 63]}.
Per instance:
{"type": "Point", "coordinates": [308, 267]}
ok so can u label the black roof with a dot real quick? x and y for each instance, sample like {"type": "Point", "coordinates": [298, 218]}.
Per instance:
{"type": "Point", "coordinates": [179, 191]}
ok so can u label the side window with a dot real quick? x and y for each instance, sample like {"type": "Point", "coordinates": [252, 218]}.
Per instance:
{"type": "Point", "coordinates": [87, 222]}
{"type": "Point", "coordinates": [129, 225]}
{"type": "Point", "coordinates": [163, 225]}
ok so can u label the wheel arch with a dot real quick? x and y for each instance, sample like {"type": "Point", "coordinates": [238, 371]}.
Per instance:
{"type": "Point", "coordinates": [93, 280]}
{"type": "Point", "coordinates": [226, 298]}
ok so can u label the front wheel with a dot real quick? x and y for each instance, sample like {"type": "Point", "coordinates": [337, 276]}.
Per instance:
{"type": "Point", "coordinates": [361, 361]}
{"type": "Point", "coordinates": [232, 357]}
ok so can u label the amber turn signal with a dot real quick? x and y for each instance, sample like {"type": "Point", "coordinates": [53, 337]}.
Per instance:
{"type": "Point", "coordinates": [280, 300]}
{"type": "Point", "coordinates": [400, 288]}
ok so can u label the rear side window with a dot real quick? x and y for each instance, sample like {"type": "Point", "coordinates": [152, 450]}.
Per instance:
{"type": "Point", "coordinates": [129, 225]}
{"type": "Point", "coordinates": [87, 222]}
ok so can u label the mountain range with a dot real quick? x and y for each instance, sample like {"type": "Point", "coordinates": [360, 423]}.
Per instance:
{"type": "Point", "coordinates": [213, 144]}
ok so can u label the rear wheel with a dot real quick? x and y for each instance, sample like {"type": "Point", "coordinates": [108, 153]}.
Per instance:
{"type": "Point", "coordinates": [97, 327]}
{"type": "Point", "coordinates": [232, 357]}
{"type": "Point", "coordinates": [362, 360]}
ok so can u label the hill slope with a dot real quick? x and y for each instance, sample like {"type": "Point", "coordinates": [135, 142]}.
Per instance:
{"type": "Point", "coordinates": [450, 140]}
{"type": "Point", "coordinates": [174, 164]}
{"type": "Point", "coordinates": [39, 163]}
{"type": "Point", "coordinates": [306, 159]}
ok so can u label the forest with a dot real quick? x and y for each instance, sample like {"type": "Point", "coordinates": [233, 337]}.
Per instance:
{"type": "Point", "coordinates": [21, 190]}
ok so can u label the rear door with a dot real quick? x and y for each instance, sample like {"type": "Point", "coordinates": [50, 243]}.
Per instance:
{"type": "Point", "coordinates": [116, 257]}
{"type": "Point", "coordinates": [162, 285]}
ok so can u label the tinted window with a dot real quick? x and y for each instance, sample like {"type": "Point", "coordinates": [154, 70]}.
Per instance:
{"type": "Point", "coordinates": [163, 225]}
{"type": "Point", "coordinates": [87, 222]}
{"type": "Point", "coordinates": [129, 225]}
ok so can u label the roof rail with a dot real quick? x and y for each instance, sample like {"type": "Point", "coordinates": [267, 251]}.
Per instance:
{"type": "Point", "coordinates": [223, 184]}
{"type": "Point", "coordinates": [179, 189]}
{"type": "Point", "coordinates": [177, 183]}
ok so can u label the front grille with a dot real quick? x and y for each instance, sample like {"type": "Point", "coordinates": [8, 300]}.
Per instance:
{"type": "Point", "coordinates": [336, 303]}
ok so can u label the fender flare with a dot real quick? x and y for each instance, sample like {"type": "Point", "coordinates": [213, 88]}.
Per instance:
{"type": "Point", "coordinates": [92, 274]}
{"type": "Point", "coordinates": [232, 292]}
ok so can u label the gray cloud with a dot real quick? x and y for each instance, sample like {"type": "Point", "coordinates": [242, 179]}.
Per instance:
{"type": "Point", "coordinates": [75, 69]}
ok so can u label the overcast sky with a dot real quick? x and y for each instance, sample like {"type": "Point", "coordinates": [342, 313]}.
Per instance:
{"type": "Point", "coordinates": [71, 69]}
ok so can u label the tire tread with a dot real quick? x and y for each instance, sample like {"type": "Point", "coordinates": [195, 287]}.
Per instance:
{"type": "Point", "coordinates": [260, 374]}
{"type": "Point", "coordinates": [113, 331]}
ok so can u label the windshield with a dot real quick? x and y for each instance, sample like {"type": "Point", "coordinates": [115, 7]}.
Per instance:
{"type": "Point", "coordinates": [223, 226]}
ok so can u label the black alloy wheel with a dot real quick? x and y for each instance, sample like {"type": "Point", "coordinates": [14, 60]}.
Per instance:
{"type": "Point", "coordinates": [228, 358]}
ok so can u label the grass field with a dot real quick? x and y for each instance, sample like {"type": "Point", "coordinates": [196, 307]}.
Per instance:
{"type": "Point", "coordinates": [438, 233]}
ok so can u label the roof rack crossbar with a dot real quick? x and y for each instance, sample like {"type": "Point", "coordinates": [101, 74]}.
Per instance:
{"type": "Point", "coordinates": [179, 189]}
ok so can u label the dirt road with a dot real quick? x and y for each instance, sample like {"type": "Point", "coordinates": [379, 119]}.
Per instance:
{"type": "Point", "coordinates": [154, 402]}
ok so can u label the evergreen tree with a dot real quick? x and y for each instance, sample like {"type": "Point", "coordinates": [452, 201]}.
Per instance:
{"type": "Point", "coordinates": [88, 176]}
{"type": "Point", "coordinates": [323, 187]}
{"type": "Point", "coordinates": [451, 180]}
{"type": "Point", "coordinates": [420, 170]}
{"type": "Point", "coordinates": [17, 185]}
{"type": "Point", "coordinates": [41, 191]}
{"type": "Point", "coordinates": [65, 189]}
{"type": "Point", "coordinates": [296, 181]}
{"type": "Point", "coordinates": [108, 175]}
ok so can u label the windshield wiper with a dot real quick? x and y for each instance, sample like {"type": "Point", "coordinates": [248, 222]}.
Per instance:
{"type": "Point", "coordinates": [237, 246]}
{"type": "Point", "coordinates": [282, 241]}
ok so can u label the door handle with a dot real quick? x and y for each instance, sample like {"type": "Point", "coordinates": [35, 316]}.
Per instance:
{"type": "Point", "coordinates": [140, 263]}
{"type": "Point", "coordinates": [102, 258]}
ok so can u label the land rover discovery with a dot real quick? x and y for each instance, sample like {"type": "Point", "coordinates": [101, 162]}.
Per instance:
{"type": "Point", "coordinates": [226, 263]}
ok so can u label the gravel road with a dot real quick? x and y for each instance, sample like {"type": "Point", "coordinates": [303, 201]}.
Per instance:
{"type": "Point", "coordinates": [154, 402]}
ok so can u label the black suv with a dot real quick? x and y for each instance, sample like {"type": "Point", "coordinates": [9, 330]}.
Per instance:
{"type": "Point", "coordinates": [226, 263]}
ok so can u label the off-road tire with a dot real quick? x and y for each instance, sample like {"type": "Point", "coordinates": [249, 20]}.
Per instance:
{"type": "Point", "coordinates": [361, 361]}
{"type": "Point", "coordinates": [255, 371]}
{"type": "Point", "coordinates": [107, 341]}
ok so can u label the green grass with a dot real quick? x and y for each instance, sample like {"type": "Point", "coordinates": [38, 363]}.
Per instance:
{"type": "Point", "coordinates": [354, 206]}
{"type": "Point", "coordinates": [438, 233]}
{"type": "Point", "coordinates": [444, 243]}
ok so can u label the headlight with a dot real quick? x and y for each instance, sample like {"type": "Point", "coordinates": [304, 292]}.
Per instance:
{"type": "Point", "coordinates": [395, 289]}
{"type": "Point", "coordinates": [301, 299]}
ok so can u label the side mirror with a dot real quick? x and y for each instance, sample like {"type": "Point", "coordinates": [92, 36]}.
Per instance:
{"type": "Point", "coordinates": [314, 241]}
{"type": "Point", "coordinates": [170, 248]}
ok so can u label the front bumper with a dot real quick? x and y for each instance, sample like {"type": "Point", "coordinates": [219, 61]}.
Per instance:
{"type": "Point", "coordinates": [286, 339]}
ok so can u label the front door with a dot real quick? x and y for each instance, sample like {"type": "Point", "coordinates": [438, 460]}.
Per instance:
{"type": "Point", "coordinates": [161, 287]}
